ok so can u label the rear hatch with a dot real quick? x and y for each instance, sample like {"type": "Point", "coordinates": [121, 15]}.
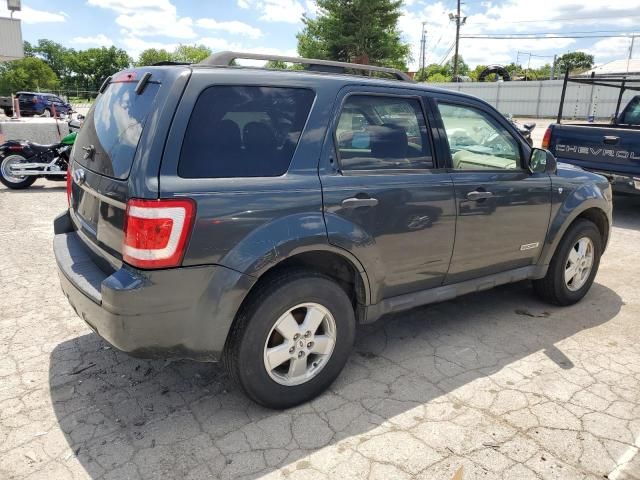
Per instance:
{"type": "Point", "coordinates": [106, 169]}
{"type": "Point", "coordinates": [598, 147]}
{"type": "Point", "coordinates": [27, 101]}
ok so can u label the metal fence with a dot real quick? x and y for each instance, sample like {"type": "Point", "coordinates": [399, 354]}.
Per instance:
{"type": "Point", "coordinates": [542, 98]}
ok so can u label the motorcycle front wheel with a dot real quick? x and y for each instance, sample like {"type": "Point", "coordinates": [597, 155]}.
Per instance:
{"type": "Point", "coordinates": [9, 179]}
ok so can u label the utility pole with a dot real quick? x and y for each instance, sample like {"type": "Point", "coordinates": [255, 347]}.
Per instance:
{"type": "Point", "coordinates": [459, 21]}
{"type": "Point", "coordinates": [553, 66]}
{"type": "Point", "coordinates": [633, 39]}
{"type": "Point", "coordinates": [422, 46]}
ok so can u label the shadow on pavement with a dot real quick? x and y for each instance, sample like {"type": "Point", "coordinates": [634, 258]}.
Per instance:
{"type": "Point", "coordinates": [626, 211]}
{"type": "Point", "coordinates": [47, 188]}
{"type": "Point", "coordinates": [129, 418]}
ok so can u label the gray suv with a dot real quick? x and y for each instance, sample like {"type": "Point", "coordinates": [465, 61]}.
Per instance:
{"type": "Point", "coordinates": [257, 216]}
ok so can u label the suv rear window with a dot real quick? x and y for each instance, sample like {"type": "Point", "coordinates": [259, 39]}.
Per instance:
{"type": "Point", "coordinates": [237, 131]}
{"type": "Point", "coordinates": [113, 127]}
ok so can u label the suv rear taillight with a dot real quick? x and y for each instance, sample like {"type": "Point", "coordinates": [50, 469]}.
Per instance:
{"type": "Point", "coordinates": [156, 232]}
{"type": "Point", "coordinates": [69, 184]}
{"type": "Point", "coordinates": [546, 140]}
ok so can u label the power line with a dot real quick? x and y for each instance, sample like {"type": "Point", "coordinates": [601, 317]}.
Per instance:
{"type": "Point", "coordinates": [555, 33]}
{"type": "Point", "coordinates": [551, 20]}
{"type": "Point", "coordinates": [511, 37]}
{"type": "Point", "coordinates": [446, 55]}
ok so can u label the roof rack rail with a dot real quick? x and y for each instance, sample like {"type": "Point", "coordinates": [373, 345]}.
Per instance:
{"type": "Point", "coordinates": [227, 57]}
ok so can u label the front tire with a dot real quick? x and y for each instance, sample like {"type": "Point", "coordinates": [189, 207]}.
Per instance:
{"type": "Point", "coordinates": [292, 339]}
{"type": "Point", "coordinates": [573, 266]}
{"type": "Point", "coordinates": [46, 113]}
{"type": "Point", "coordinates": [10, 180]}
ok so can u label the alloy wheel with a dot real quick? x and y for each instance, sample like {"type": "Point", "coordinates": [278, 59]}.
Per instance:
{"type": "Point", "coordinates": [300, 344]}
{"type": "Point", "coordinates": [579, 264]}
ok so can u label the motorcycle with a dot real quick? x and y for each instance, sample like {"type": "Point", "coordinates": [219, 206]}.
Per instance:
{"type": "Point", "coordinates": [525, 129]}
{"type": "Point", "coordinates": [22, 162]}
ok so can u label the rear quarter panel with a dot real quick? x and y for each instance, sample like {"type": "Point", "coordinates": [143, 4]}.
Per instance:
{"type": "Point", "coordinates": [250, 224]}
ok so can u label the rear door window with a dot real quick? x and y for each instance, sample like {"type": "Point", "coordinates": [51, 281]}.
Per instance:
{"type": "Point", "coordinates": [243, 131]}
{"type": "Point", "coordinates": [113, 128]}
{"type": "Point", "coordinates": [377, 132]}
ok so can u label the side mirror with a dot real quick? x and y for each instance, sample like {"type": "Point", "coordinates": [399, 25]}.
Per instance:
{"type": "Point", "coordinates": [542, 161]}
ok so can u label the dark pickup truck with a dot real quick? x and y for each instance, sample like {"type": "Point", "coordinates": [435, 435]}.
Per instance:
{"type": "Point", "coordinates": [612, 150]}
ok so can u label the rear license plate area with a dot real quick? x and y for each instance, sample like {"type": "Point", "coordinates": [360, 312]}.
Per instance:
{"type": "Point", "coordinates": [88, 209]}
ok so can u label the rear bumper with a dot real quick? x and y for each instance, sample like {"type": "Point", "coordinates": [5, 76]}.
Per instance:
{"type": "Point", "coordinates": [179, 313]}
{"type": "Point", "coordinates": [621, 182]}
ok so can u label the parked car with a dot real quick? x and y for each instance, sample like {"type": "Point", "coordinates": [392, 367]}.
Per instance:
{"type": "Point", "coordinates": [257, 216]}
{"type": "Point", "coordinates": [612, 150]}
{"type": "Point", "coordinates": [35, 103]}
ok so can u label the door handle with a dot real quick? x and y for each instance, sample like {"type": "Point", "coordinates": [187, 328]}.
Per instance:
{"type": "Point", "coordinates": [355, 202]}
{"type": "Point", "coordinates": [611, 140]}
{"type": "Point", "coordinates": [477, 195]}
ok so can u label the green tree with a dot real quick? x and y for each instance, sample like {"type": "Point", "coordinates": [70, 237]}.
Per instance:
{"type": "Point", "coordinates": [28, 73]}
{"type": "Point", "coordinates": [58, 57]}
{"type": "Point", "coordinates": [277, 64]}
{"type": "Point", "coordinates": [425, 74]}
{"type": "Point", "coordinates": [463, 68]}
{"type": "Point", "coordinates": [475, 73]}
{"type": "Point", "coordinates": [94, 65]}
{"type": "Point", "coordinates": [29, 50]}
{"type": "Point", "coordinates": [574, 61]}
{"type": "Point", "coordinates": [439, 78]}
{"type": "Point", "coordinates": [359, 31]}
{"type": "Point", "coordinates": [151, 56]}
{"type": "Point", "coordinates": [191, 53]}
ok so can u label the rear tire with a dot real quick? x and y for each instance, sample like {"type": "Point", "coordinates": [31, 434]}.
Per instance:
{"type": "Point", "coordinates": [10, 181]}
{"type": "Point", "coordinates": [276, 353]}
{"type": "Point", "coordinates": [573, 266]}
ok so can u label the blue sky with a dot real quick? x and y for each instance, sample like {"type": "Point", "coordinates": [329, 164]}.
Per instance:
{"type": "Point", "coordinates": [270, 26]}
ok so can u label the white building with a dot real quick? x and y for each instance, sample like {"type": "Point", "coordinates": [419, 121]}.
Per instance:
{"type": "Point", "coordinates": [616, 68]}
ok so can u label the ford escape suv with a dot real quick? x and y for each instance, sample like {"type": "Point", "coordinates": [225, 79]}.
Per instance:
{"type": "Point", "coordinates": [257, 216]}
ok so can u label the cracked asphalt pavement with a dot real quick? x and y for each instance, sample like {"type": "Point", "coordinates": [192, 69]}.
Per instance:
{"type": "Point", "coordinates": [496, 383]}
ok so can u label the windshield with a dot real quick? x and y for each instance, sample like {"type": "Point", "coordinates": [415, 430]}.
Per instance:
{"type": "Point", "coordinates": [113, 128]}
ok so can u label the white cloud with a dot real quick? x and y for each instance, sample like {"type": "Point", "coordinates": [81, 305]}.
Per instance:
{"type": "Point", "coordinates": [518, 16]}
{"type": "Point", "coordinates": [148, 18]}
{"type": "Point", "coordinates": [131, 6]}
{"type": "Point", "coordinates": [31, 15]}
{"type": "Point", "coordinates": [287, 11]}
{"type": "Point", "coordinates": [134, 45]}
{"type": "Point", "coordinates": [157, 23]}
{"type": "Point", "coordinates": [608, 48]}
{"type": "Point", "coordinates": [233, 27]}
{"type": "Point", "coordinates": [100, 40]}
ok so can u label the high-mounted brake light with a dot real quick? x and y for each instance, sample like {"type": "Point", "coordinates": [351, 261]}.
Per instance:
{"type": "Point", "coordinates": [124, 77]}
{"type": "Point", "coordinates": [546, 140]}
{"type": "Point", "coordinates": [156, 232]}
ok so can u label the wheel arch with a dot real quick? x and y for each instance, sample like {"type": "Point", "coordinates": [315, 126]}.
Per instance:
{"type": "Point", "coordinates": [592, 211]}
{"type": "Point", "coordinates": [330, 261]}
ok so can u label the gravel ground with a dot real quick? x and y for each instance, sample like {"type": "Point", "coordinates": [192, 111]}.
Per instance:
{"type": "Point", "coordinates": [497, 383]}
